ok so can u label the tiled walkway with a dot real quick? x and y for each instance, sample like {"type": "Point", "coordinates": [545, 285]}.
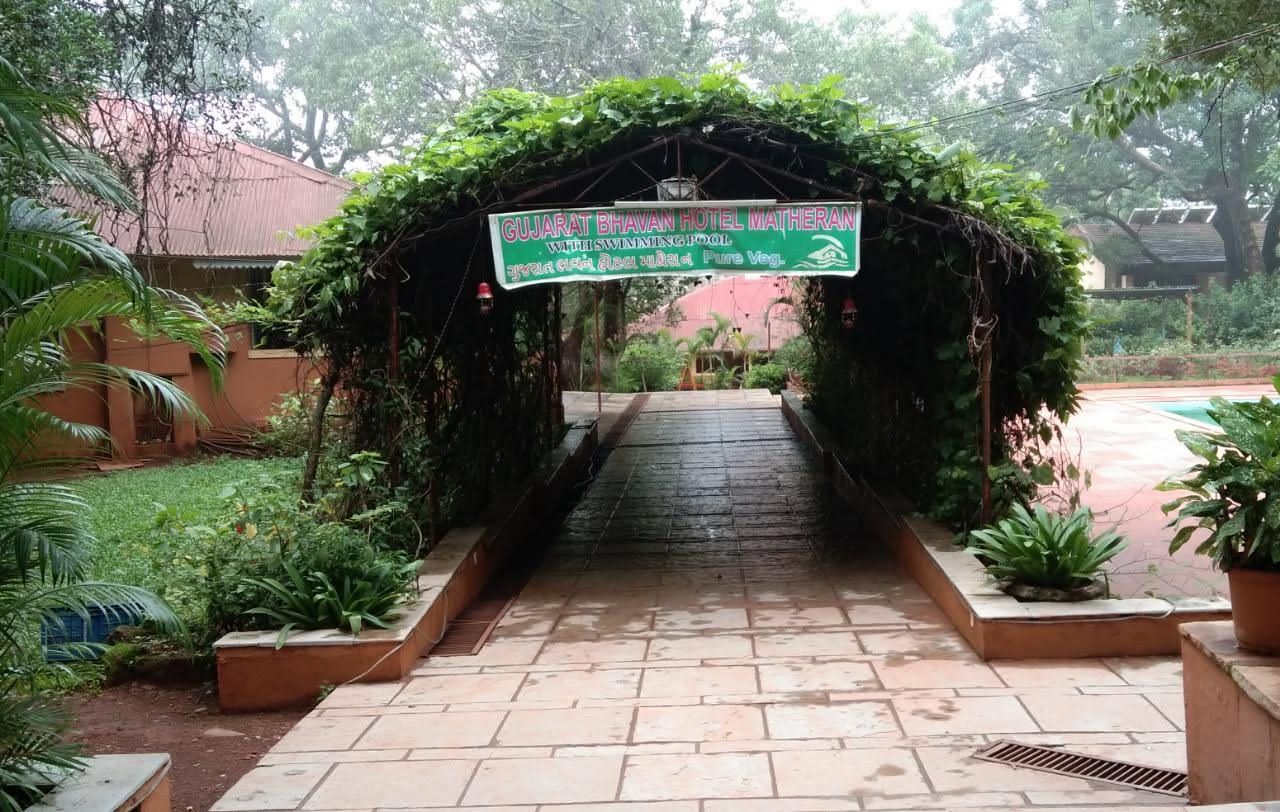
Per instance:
{"type": "Point", "coordinates": [1129, 446]}
{"type": "Point", "coordinates": [707, 635]}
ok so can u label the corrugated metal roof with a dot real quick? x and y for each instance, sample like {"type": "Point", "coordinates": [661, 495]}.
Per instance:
{"type": "Point", "coordinates": [219, 198]}
{"type": "Point", "coordinates": [740, 299]}
{"type": "Point", "coordinates": [1172, 242]}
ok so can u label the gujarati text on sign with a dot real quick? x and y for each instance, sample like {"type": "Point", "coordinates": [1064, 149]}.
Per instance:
{"type": "Point", "coordinates": [568, 245]}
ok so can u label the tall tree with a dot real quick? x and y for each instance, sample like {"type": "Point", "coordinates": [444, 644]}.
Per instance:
{"type": "Point", "coordinates": [1250, 57]}
{"type": "Point", "coordinates": [163, 81]}
{"type": "Point", "coordinates": [1172, 143]}
{"type": "Point", "coordinates": [343, 84]}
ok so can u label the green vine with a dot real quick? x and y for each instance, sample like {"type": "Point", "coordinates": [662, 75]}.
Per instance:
{"type": "Point", "coordinates": [902, 386]}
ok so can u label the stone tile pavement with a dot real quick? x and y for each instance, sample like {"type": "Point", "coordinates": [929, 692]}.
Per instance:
{"type": "Point", "coordinates": [707, 633]}
{"type": "Point", "coordinates": [1129, 447]}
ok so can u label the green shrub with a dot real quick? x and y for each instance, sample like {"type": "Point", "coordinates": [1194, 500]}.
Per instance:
{"type": "Point", "coordinates": [1135, 326]}
{"type": "Point", "coordinates": [237, 565]}
{"type": "Point", "coordinates": [796, 355]}
{"type": "Point", "coordinates": [354, 594]}
{"type": "Point", "coordinates": [1045, 549]}
{"type": "Point", "coordinates": [1235, 492]}
{"type": "Point", "coordinates": [771, 376]}
{"type": "Point", "coordinates": [288, 426]}
{"type": "Point", "coordinates": [650, 363]}
{"type": "Point", "coordinates": [1244, 316]}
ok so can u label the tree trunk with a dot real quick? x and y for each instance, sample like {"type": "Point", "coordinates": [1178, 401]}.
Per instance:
{"type": "Point", "coordinates": [1244, 257]}
{"type": "Point", "coordinates": [613, 313]}
{"type": "Point", "coordinates": [316, 439]}
{"type": "Point", "coordinates": [1271, 239]}
{"type": "Point", "coordinates": [571, 346]}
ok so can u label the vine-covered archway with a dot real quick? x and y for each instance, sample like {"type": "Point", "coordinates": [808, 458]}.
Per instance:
{"type": "Point", "coordinates": [961, 262]}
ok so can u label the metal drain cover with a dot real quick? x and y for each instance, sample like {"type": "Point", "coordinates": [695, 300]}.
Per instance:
{"type": "Point", "coordinates": [1079, 765]}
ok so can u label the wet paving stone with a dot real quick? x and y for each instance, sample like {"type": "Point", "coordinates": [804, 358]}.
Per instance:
{"type": "Point", "coordinates": [708, 632]}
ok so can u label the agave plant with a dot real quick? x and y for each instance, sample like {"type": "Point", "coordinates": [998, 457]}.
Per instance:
{"type": "Point", "coordinates": [58, 281]}
{"type": "Point", "coordinates": [1044, 549]}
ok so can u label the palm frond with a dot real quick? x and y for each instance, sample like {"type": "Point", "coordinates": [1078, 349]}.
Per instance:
{"type": "Point", "coordinates": [42, 248]}
{"type": "Point", "coordinates": [36, 133]}
{"type": "Point", "coordinates": [41, 535]}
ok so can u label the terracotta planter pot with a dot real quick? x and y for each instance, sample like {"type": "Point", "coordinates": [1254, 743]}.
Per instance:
{"type": "Point", "coordinates": [1254, 598]}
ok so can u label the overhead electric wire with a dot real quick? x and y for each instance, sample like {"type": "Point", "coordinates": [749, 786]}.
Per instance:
{"type": "Point", "coordinates": [1045, 96]}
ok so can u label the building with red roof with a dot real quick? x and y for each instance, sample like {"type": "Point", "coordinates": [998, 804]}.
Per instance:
{"type": "Point", "coordinates": [218, 216]}
{"type": "Point", "coordinates": [758, 306]}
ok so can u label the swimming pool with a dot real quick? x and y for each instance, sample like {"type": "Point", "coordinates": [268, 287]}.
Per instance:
{"type": "Point", "coordinates": [1197, 410]}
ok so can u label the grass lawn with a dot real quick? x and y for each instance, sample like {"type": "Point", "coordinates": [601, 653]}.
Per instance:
{"type": "Point", "coordinates": [123, 507]}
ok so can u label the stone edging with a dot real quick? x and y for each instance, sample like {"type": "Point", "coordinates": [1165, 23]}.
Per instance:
{"type": "Point", "coordinates": [996, 625]}
{"type": "Point", "coordinates": [1254, 674]}
{"type": "Point", "coordinates": [114, 783]}
{"type": "Point", "coordinates": [1232, 702]}
{"type": "Point", "coordinates": [254, 675]}
{"type": "Point", "coordinates": [1105, 386]}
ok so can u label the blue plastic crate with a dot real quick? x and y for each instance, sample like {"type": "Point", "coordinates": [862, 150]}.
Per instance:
{"type": "Point", "coordinates": [102, 620]}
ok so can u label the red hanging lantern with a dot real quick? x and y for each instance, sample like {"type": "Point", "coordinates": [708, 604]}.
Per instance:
{"type": "Point", "coordinates": [485, 297]}
{"type": "Point", "coordinates": [848, 313]}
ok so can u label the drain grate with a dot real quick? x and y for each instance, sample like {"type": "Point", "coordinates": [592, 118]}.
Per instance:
{"type": "Point", "coordinates": [469, 631]}
{"type": "Point", "coordinates": [1064, 762]}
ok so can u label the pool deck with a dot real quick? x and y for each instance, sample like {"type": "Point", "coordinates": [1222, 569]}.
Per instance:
{"type": "Point", "coordinates": [1127, 443]}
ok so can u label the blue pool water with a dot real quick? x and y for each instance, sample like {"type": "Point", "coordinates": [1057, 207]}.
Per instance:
{"type": "Point", "coordinates": [1197, 410]}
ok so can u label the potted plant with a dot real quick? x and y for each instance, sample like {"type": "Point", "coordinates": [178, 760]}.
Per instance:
{"type": "Point", "coordinates": [1234, 493]}
{"type": "Point", "coordinates": [1039, 555]}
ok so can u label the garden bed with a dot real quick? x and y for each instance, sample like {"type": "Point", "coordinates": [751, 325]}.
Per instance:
{"type": "Point", "coordinates": [254, 674]}
{"type": "Point", "coordinates": [996, 625]}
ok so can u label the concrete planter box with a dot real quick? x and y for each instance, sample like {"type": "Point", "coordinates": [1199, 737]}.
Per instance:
{"type": "Point", "coordinates": [1233, 717]}
{"type": "Point", "coordinates": [254, 675]}
{"type": "Point", "coordinates": [123, 783]}
{"type": "Point", "coordinates": [996, 625]}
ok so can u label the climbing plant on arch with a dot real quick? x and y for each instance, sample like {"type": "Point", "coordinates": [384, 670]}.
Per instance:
{"type": "Point", "coordinates": [955, 253]}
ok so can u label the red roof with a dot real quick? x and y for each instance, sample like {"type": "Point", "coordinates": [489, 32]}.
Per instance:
{"type": "Point", "coordinates": [741, 299]}
{"type": "Point", "coordinates": [220, 198]}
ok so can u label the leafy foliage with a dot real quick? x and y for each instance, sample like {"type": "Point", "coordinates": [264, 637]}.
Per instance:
{"type": "Point", "coordinates": [1234, 493]}
{"type": "Point", "coordinates": [796, 355]}
{"type": "Point", "coordinates": [420, 221]}
{"type": "Point", "coordinates": [122, 515]}
{"type": "Point", "coordinates": [1242, 317]}
{"type": "Point", "coordinates": [1040, 548]}
{"type": "Point", "coordinates": [313, 599]}
{"type": "Point", "coordinates": [56, 277]}
{"type": "Point", "coordinates": [651, 363]}
{"type": "Point", "coordinates": [241, 563]}
{"type": "Point", "coordinates": [771, 376]}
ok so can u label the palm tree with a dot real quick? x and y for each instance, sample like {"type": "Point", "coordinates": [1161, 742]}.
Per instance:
{"type": "Point", "coordinates": [59, 280]}
{"type": "Point", "coordinates": [741, 342]}
{"type": "Point", "coordinates": [706, 338]}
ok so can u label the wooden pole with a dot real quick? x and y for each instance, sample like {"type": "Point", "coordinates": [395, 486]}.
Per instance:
{"type": "Point", "coordinates": [393, 373]}
{"type": "Point", "coordinates": [1190, 319]}
{"type": "Point", "coordinates": [557, 359]}
{"type": "Point", "coordinates": [984, 371]}
{"type": "Point", "coordinates": [595, 288]}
